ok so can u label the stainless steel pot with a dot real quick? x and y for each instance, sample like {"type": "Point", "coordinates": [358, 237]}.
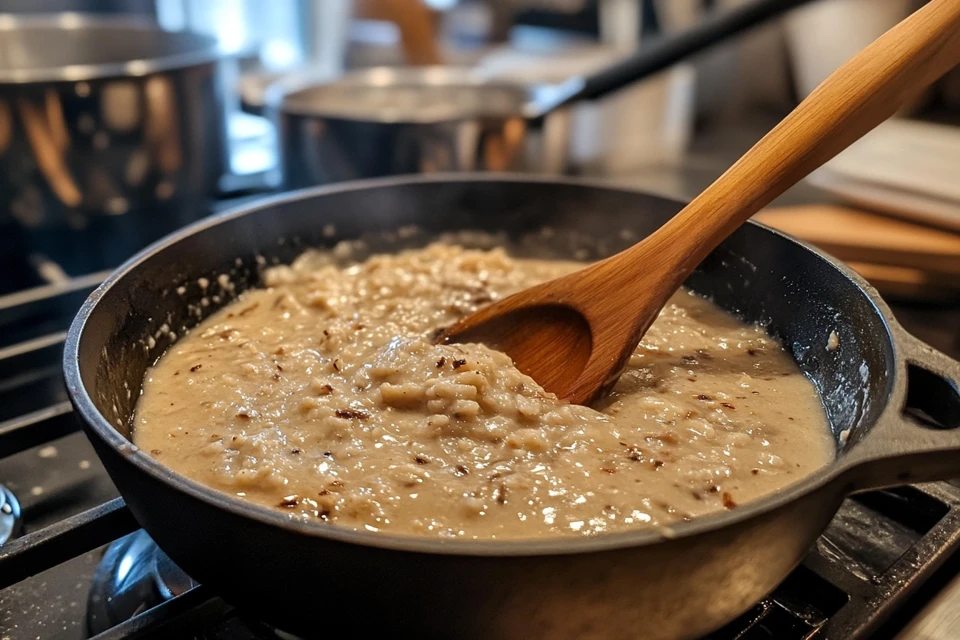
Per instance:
{"type": "Point", "coordinates": [386, 121]}
{"type": "Point", "coordinates": [100, 116]}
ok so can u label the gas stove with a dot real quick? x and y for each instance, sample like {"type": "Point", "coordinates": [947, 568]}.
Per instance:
{"type": "Point", "coordinates": [74, 563]}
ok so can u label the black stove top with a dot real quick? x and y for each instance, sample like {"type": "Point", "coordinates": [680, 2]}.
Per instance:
{"type": "Point", "coordinates": [74, 564]}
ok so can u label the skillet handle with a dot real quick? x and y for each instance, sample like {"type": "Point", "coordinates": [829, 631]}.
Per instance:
{"type": "Point", "coordinates": [918, 441]}
{"type": "Point", "coordinates": [715, 27]}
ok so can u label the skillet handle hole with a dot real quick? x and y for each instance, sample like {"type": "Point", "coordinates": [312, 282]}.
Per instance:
{"type": "Point", "coordinates": [932, 400]}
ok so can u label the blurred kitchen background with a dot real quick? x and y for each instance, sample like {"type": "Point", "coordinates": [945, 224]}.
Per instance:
{"type": "Point", "coordinates": [124, 120]}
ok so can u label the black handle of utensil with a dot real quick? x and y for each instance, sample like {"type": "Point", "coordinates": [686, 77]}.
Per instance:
{"type": "Point", "coordinates": [917, 439]}
{"type": "Point", "coordinates": [673, 49]}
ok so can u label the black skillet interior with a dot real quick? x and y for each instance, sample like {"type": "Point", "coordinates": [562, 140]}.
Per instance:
{"type": "Point", "coordinates": [798, 295]}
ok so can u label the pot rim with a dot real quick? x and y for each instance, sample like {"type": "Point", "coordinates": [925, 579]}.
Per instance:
{"type": "Point", "coordinates": [98, 425]}
{"type": "Point", "coordinates": [203, 50]}
{"type": "Point", "coordinates": [279, 96]}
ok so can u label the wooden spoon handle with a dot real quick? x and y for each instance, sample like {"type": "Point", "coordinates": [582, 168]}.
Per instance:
{"type": "Point", "coordinates": [857, 97]}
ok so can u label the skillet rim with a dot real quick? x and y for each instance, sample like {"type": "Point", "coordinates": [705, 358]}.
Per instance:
{"type": "Point", "coordinates": [93, 420]}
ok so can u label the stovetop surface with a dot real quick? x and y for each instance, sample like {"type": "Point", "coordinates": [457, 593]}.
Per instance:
{"type": "Point", "coordinates": [82, 565]}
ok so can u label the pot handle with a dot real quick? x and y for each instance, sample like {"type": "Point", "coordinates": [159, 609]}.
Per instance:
{"type": "Point", "coordinates": [919, 440]}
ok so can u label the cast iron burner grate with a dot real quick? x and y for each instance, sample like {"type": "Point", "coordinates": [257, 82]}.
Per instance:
{"type": "Point", "coordinates": [880, 547]}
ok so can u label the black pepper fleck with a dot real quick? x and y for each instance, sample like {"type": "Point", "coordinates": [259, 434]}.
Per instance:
{"type": "Point", "coordinates": [634, 453]}
{"type": "Point", "coordinates": [290, 501]}
{"type": "Point", "coordinates": [249, 309]}
{"type": "Point", "coordinates": [351, 414]}
{"type": "Point", "coordinates": [442, 361]}
{"type": "Point", "coordinates": [459, 363]}
{"type": "Point", "coordinates": [195, 367]}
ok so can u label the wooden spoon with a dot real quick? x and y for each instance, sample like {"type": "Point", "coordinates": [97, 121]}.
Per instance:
{"type": "Point", "coordinates": [574, 335]}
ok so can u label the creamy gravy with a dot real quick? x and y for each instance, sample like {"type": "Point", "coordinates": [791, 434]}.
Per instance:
{"type": "Point", "coordinates": [323, 396]}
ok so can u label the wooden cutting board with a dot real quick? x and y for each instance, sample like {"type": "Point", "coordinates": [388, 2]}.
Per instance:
{"type": "Point", "coordinates": [860, 236]}
{"type": "Point", "coordinates": [898, 257]}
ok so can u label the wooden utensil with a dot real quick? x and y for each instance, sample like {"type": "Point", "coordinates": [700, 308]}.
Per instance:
{"type": "Point", "coordinates": [416, 23]}
{"type": "Point", "coordinates": [573, 335]}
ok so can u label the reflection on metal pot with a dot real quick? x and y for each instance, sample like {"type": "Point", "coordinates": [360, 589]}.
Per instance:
{"type": "Point", "coordinates": [384, 121]}
{"type": "Point", "coordinates": [103, 116]}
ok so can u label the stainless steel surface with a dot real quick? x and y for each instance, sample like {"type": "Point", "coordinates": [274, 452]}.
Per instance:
{"type": "Point", "coordinates": [101, 116]}
{"type": "Point", "coordinates": [387, 121]}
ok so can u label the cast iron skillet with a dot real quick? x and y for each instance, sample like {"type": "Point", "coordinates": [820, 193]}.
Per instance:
{"type": "Point", "coordinates": [681, 582]}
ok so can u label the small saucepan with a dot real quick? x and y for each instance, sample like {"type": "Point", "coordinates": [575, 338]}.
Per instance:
{"type": "Point", "coordinates": [892, 401]}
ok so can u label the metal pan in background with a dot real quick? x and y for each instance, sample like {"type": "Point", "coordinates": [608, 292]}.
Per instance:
{"type": "Point", "coordinates": [104, 116]}
{"type": "Point", "coordinates": [389, 121]}
{"type": "Point", "coordinates": [892, 401]}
